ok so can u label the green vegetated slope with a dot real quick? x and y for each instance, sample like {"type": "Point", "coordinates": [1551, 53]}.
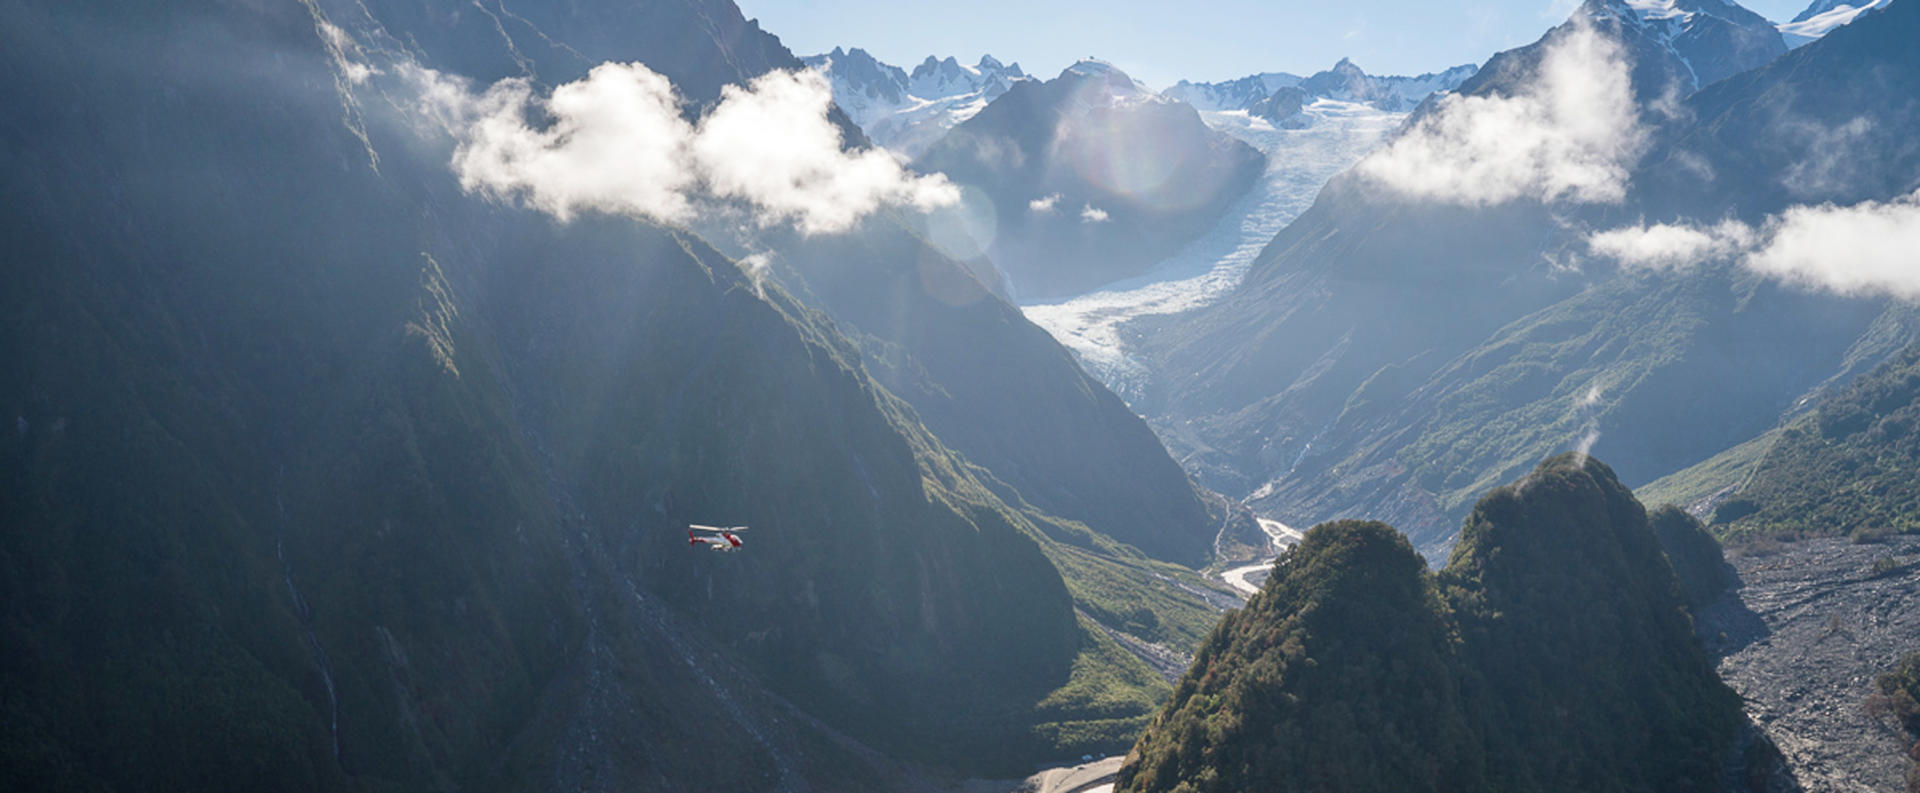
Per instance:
{"type": "Point", "coordinates": [319, 474]}
{"type": "Point", "coordinates": [1850, 466]}
{"type": "Point", "coordinates": [1598, 368]}
{"type": "Point", "coordinates": [1699, 563]}
{"type": "Point", "coordinates": [1341, 673]}
{"type": "Point", "coordinates": [1553, 652]}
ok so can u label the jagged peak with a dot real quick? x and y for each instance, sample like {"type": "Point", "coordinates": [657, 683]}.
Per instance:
{"type": "Point", "coordinates": [1092, 66]}
{"type": "Point", "coordinates": [1347, 65]}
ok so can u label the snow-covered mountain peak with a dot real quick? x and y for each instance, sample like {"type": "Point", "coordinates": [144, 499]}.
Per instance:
{"type": "Point", "coordinates": [861, 81]}
{"type": "Point", "coordinates": [1094, 67]}
{"type": "Point", "coordinates": [991, 65]}
{"type": "Point", "coordinates": [1703, 41]}
{"type": "Point", "coordinates": [937, 78]}
{"type": "Point", "coordinates": [1650, 10]}
{"type": "Point", "coordinates": [1347, 66]}
{"type": "Point", "coordinates": [1231, 94]}
{"type": "Point", "coordinates": [1823, 17]}
{"type": "Point", "coordinates": [1824, 7]}
{"type": "Point", "coordinates": [1278, 96]}
{"type": "Point", "coordinates": [1120, 87]}
{"type": "Point", "coordinates": [1671, 18]}
{"type": "Point", "coordinates": [905, 111]}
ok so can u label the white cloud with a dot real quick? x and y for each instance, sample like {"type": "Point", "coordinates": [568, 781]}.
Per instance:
{"type": "Point", "coordinates": [1865, 249]}
{"type": "Point", "coordinates": [1092, 214]}
{"type": "Point", "coordinates": [1870, 248]}
{"type": "Point", "coordinates": [616, 142]}
{"type": "Point", "coordinates": [771, 144]}
{"type": "Point", "coordinates": [1571, 134]}
{"type": "Point", "coordinates": [1044, 205]}
{"type": "Point", "coordinates": [1665, 246]}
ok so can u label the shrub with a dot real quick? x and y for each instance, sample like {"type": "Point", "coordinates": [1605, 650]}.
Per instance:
{"type": "Point", "coordinates": [1866, 535]}
{"type": "Point", "coordinates": [1734, 509]}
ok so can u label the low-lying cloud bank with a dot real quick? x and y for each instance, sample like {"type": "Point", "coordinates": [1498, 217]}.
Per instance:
{"type": "Point", "coordinates": [1869, 248]}
{"type": "Point", "coordinates": [616, 142]}
{"type": "Point", "coordinates": [1571, 134]}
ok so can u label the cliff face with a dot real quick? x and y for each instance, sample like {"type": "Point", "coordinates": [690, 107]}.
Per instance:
{"type": "Point", "coordinates": [1554, 651]}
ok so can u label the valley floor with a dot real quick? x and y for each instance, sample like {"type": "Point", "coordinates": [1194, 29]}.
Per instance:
{"type": "Point", "coordinates": [1247, 579]}
{"type": "Point", "coordinates": [1812, 625]}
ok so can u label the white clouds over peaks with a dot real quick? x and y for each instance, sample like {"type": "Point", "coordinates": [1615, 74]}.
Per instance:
{"type": "Point", "coordinates": [616, 142]}
{"type": "Point", "coordinates": [1870, 248]}
{"type": "Point", "coordinates": [1571, 134]}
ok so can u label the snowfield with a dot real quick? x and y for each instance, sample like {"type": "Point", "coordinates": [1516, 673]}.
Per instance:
{"type": "Point", "coordinates": [1299, 162]}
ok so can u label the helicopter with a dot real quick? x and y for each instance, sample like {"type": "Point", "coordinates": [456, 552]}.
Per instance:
{"type": "Point", "coordinates": [727, 540]}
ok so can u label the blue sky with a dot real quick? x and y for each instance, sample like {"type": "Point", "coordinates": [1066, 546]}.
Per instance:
{"type": "Point", "coordinates": [1161, 42]}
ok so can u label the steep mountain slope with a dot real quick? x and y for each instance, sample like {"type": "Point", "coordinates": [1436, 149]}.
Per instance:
{"type": "Point", "coordinates": [908, 112]}
{"type": "Point", "coordinates": [1826, 123]}
{"type": "Point", "coordinates": [1845, 468]}
{"type": "Point", "coordinates": [1553, 651]}
{"type": "Point", "coordinates": [1085, 179]}
{"type": "Point", "coordinates": [1391, 356]}
{"type": "Point", "coordinates": [701, 45]}
{"type": "Point", "coordinates": [1000, 390]}
{"type": "Point", "coordinates": [324, 474]}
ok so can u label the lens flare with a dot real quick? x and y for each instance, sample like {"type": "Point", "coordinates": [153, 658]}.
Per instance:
{"type": "Point", "coordinates": [965, 229]}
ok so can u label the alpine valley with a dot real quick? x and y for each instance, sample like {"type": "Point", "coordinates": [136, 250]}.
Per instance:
{"type": "Point", "coordinates": [380, 374]}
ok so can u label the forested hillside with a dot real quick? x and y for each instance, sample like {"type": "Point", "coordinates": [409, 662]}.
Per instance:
{"type": "Point", "coordinates": [1555, 651]}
